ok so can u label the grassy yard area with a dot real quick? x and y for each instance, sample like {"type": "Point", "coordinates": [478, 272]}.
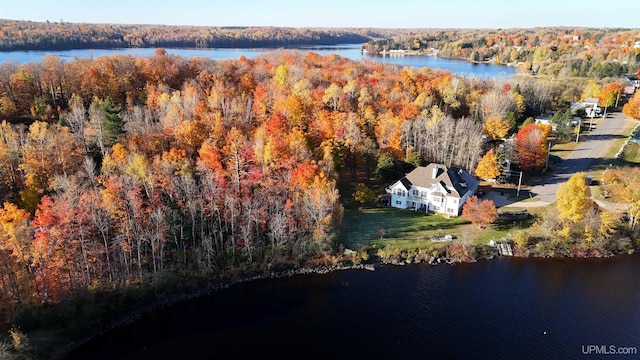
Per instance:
{"type": "Point", "coordinates": [405, 229]}
{"type": "Point", "coordinates": [632, 154]}
{"type": "Point", "coordinates": [363, 227]}
{"type": "Point", "coordinates": [617, 144]}
{"type": "Point", "coordinates": [562, 150]}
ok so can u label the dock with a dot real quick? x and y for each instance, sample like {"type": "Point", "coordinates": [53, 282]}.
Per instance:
{"type": "Point", "coordinates": [504, 248]}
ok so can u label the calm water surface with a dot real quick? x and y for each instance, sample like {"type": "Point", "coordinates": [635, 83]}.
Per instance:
{"type": "Point", "coordinates": [497, 309]}
{"type": "Point", "coordinates": [351, 51]}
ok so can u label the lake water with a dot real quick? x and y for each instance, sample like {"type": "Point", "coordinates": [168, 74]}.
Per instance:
{"type": "Point", "coordinates": [499, 309]}
{"type": "Point", "coordinates": [351, 51]}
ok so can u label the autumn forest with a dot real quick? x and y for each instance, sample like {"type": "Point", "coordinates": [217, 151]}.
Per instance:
{"type": "Point", "coordinates": [131, 167]}
{"type": "Point", "coordinates": [117, 171]}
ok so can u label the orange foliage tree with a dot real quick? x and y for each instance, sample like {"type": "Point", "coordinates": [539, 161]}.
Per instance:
{"type": "Point", "coordinates": [479, 212]}
{"type": "Point", "coordinates": [632, 108]}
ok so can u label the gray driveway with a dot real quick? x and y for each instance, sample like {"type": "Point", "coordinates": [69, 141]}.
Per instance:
{"type": "Point", "coordinates": [593, 145]}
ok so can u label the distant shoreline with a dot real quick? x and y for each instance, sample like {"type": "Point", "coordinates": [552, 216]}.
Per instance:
{"type": "Point", "coordinates": [431, 52]}
{"type": "Point", "coordinates": [428, 52]}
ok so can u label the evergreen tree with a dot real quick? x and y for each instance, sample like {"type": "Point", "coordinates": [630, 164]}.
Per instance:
{"type": "Point", "coordinates": [501, 163]}
{"type": "Point", "coordinates": [562, 121]}
{"type": "Point", "coordinates": [114, 125]}
{"type": "Point", "coordinates": [385, 169]}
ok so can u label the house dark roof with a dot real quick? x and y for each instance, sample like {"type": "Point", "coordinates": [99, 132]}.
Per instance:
{"type": "Point", "coordinates": [406, 183]}
{"type": "Point", "coordinates": [457, 182]}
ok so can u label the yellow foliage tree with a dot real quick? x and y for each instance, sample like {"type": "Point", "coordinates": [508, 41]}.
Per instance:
{"type": "Point", "coordinates": [496, 128]}
{"type": "Point", "coordinates": [49, 150]}
{"type": "Point", "coordinates": [591, 90]}
{"type": "Point", "coordinates": [607, 224]}
{"type": "Point", "coordinates": [574, 198]}
{"type": "Point", "coordinates": [331, 96]}
{"type": "Point", "coordinates": [488, 166]}
{"type": "Point", "coordinates": [363, 194]}
{"type": "Point", "coordinates": [191, 134]}
{"type": "Point", "coordinates": [15, 231]}
{"type": "Point", "coordinates": [623, 185]}
{"type": "Point", "coordinates": [521, 105]}
{"type": "Point", "coordinates": [281, 75]}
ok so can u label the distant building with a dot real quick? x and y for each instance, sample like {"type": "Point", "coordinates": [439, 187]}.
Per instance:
{"type": "Point", "coordinates": [433, 188]}
{"type": "Point", "coordinates": [628, 90]}
{"type": "Point", "coordinates": [590, 106]}
{"type": "Point", "coordinates": [633, 79]}
{"type": "Point", "coordinates": [545, 121]}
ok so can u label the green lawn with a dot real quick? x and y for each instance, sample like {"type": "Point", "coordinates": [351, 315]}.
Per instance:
{"type": "Point", "coordinates": [406, 229]}
{"type": "Point", "coordinates": [562, 150]}
{"type": "Point", "coordinates": [617, 144]}
{"type": "Point", "coordinates": [362, 227]}
{"type": "Point", "coordinates": [632, 154]}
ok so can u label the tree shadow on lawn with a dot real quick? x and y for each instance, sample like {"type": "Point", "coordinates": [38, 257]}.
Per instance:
{"type": "Point", "coordinates": [504, 225]}
{"type": "Point", "coordinates": [361, 228]}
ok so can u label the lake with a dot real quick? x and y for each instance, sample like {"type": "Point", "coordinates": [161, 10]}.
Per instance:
{"type": "Point", "coordinates": [506, 308]}
{"type": "Point", "coordinates": [351, 51]}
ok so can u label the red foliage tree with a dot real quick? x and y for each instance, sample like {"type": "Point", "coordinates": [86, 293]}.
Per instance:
{"type": "Point", "coordinates": [531, 146]}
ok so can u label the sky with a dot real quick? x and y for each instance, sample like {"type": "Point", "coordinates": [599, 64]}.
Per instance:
{"type": "Point", "coordinates": [333, 13]}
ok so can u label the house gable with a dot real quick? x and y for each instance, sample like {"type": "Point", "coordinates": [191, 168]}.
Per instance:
{"type": "Point", "coordinates": [440, 189]}
{"type": "Point", "coordinates": [435, 188]}
{"type": "Point", "coordinates": [400, 184]}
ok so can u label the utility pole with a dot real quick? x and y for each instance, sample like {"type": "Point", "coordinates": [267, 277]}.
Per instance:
{"type": "Point", "coordinates": [546, 165]}
{"type": "Point", "coordinates": [579, 128]}
{"type": "Point", "coordinates": [519, 183]}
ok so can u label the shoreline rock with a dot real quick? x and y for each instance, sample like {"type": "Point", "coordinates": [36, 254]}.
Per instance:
{"type": "Point", "coordinates": [273, 274]}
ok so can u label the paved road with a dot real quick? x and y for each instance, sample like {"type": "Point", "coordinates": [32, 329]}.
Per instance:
{"type": "Point", "coordinates": [593, 145]}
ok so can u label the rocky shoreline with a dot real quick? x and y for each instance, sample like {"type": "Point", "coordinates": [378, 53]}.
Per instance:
{"type": "Point", "coordinates": [227, 283]}
{"type": "Point", "coordinates": [207, 290]}
{"type": "Point", "coordinates": [275, 274]}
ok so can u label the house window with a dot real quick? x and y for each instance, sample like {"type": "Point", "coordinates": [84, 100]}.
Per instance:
{"type": "Point", "coordinates": [450, 211]}
{"type": "Point", "coordinates": [437, 199]}
{"type": "Point", "coordinates": [398, 202]}
{"type": "Point", "coordinates": [398, 191]}
{"type": "Point", "coordinates": [455, 201]}
{"type": "Point", "coordinates": [423, 193]}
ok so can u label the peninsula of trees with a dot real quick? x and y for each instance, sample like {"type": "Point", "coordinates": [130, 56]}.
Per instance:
{"type": "Point", "coordinates": [556, 51]}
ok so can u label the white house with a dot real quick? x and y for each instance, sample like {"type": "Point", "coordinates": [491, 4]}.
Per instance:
{"type": "Point", "coordinates": [433, 188]}
{"type": "Point", "coordinates": [590, 106]}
